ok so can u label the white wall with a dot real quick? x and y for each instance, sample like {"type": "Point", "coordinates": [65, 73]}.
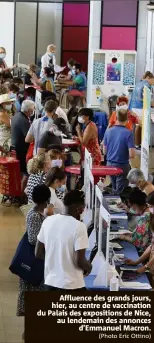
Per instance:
{"type": "Point", "coordinates": [7, 29]}
{"type": "Point", "coordinates": [141, 39]}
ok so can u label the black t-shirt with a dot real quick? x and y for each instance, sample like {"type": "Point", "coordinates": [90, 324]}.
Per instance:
{"type": "Point", "coordinates": [48, 139]}
{"type": "Point", "coordinates": [19, 128]}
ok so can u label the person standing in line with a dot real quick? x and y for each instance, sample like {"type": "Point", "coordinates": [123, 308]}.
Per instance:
{"type": "Point", "coordinates": [118, 146]}
{"type": "Point", "coordinates": [41, 125]}
{"type": "Point", "coordinates": [3, 65]}
{"type": "Point", "coordinates": [6, 115]}
{"type": "Point", "coordinates": [64, 247]}
{"type": "Point", "coordinates": [19, 128]}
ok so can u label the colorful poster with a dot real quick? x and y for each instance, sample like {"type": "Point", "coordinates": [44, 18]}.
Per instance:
{"type": "Point", "coordinates": [113, 71]}
{"type": "Point", "coordinates": [146, 120]}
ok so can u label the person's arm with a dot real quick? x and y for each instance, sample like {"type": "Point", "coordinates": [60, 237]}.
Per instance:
{"type": "Point", "coordinates": [40, 244]}
{"type": "Point", "coordinates": [126, 237]}
{"type": "Point", "coordinates": [141, 259]}
{"type": "Point", "coordinates": [33, 227]}
{"type": "Point", "coordinates": [39, 250]}
{"type": "Point", "coordinates": [87, 135]}
{"type": "Point", "coordinates": [82, 262]}
{"type": "Point", "coordinates": [80, 245]}
{"type": "Point", "coordinates": [30, 135]}
{"type": "Point", "coordinates": [131, 146]}
{"type": "Point", "coordinates": [4, 118]}
{"type": "Point", "coordinates": [104, 143]}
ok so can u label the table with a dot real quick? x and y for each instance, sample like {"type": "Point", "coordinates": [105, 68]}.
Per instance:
{"type": "Point", "coordinates": [70, 143]}
{"type": "Point", "coordinates": [97, 171]}
{"type": "Point", "coordinates": [130, 252]}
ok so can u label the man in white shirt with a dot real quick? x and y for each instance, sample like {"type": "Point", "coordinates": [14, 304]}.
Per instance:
{"type": "Point", "coordinates": [63, 239]}
{"type": "Point", "coordinates": [49, 58]}
{"type": "Point", "coordinates": [39, 126]}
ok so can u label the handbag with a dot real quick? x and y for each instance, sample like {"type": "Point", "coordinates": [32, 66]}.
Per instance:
{"type": "Point", "coordinates": [26, 265]}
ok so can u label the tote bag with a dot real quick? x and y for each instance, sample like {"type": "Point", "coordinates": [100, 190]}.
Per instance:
{"type": "Point", "coordinates": [26, 265]}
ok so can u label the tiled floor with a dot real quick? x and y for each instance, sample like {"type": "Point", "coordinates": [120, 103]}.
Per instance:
{"type": "Point", "coordinates": [11, 229]}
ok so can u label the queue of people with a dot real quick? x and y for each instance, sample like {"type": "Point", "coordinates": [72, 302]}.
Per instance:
{"type": "Point", "coordinates": [53, 222]}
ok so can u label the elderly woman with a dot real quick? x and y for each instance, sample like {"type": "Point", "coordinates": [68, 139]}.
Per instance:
{"type": "Point", "coordinates": [6, 111]}
{"type": "Point", "coordinates": [136, 179]}
{"type": "Point", "coordinates": [49, 59]}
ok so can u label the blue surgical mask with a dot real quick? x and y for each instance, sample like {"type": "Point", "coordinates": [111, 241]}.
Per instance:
{"type": "Point", "coordinates": [2, 56]}
{"type": "Point", "coordinates": [62, 188]}
{"type": "Point", "coordinates": [56, 163]}
{"type": "Point", "coordinates": [51, 54]}
{"type": "Point", "coordinates": [12, 96]}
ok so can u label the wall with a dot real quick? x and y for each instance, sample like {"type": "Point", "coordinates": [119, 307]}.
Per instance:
{"type": "Point", "coordinates": [7, 29]}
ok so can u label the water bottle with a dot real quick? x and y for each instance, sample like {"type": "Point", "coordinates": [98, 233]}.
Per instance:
{"type": "Point", "coordinates": [100, 184]}
{"type": "Point", "coordinates": [114, 283]}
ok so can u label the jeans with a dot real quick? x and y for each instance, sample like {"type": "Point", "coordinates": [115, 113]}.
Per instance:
{"type": "Point", "coordinates": [51, 288]}
{"type": "Point", "coordinates": [119, 182]}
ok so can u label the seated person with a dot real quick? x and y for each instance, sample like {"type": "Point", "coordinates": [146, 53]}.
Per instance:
{"type": "Point", "coordinates": [148, 254]}
{"type": "Point", "coordinates": [53, 136]}
{"type": "Point", "coordinates": [56, 180]}
{"type": "Point", "coordinates": [29, 74]}
{"type": "Point", "coordinates": [77, 86]}
{"type": "Point", "coordinates": [47, 80]}
{"type": "Point", "coordinates": [150, 202]}
{"type": "Point", "coordinates": [122, 103]}
{"type": "Point", "coordinates": [136, 179]}
{"type": "Point", "coordinates": [141, 236]}
{"type": "Point", "coordinates": [70, 64]}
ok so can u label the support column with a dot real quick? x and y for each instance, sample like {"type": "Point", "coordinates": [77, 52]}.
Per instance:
{"type": "Point", "coordinates": [94, 39]}
{"type": "Point", "coordinates": [143, 23]}
{"type": "Point", "coordinates": [58, 30]}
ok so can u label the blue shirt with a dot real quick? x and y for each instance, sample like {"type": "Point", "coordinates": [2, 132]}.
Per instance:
{"type": "Point", "coordinates": [136, 100]}
{"type": "Point", "coordinates": [118, 140]}
{"type": "Point", "coordinates": [80, 82]}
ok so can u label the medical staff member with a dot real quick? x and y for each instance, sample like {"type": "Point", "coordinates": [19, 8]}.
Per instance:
{"type": "Point", "coordinates": [49, 59]}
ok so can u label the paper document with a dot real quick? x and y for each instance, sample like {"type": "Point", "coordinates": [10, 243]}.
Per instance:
{"type": "Point", "coordinates": [58, 69]}
{"type": "Point", "coordinates": [135, 285]}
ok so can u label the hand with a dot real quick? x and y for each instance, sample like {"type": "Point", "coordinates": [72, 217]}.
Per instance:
{"type": "Point", "coordinates": [49, 211]}
{"type": "Point", "coordinates": [122, 237]}
{"type": "Point", "coordinates": [141, 270]}
{"type": "Point", "coordinates": [131, 262]}
{"type": "Point", "coordinates": [123, 206]}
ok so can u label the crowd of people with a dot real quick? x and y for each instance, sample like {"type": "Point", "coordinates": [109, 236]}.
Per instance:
{"type": "Point", "coordinates": [53, 222]}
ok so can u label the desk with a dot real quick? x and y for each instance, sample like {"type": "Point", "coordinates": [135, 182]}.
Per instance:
{"type": "Point", "coordinates": [130, 252]}
{"type": "Point", "coordinates": [70, 143]}
{"type": "Point", "coordinates": [97, 171]}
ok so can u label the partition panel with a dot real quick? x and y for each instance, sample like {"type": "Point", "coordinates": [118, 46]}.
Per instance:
{"type": "Point", "coordinates": [25, 31]}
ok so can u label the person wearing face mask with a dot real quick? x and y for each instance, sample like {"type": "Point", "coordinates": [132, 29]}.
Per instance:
{"type": "Point", "coordinates": [54, 135]}
{"type": "Point", "coordinates": [19, 128]}
{"type": "Point", "coordinates": [70, 63]}
{"type": "Point", "coordinates": [150, 202]}
{"type": "Point", "coordinates": [6, 105]}
{"type": "Point", "coordinates": [3, 65]}
{"type": "Point", "coordinates": [89, 137]}
{"type": "Point", "coordinates": [136, 178]}
{"type": "Point", "coordinates": [56, 179]}
{"type": "Point", "coordinates": [141, 236]}
{"type": "Point", "coordinates": [122, 104]}
{"type": "Point", "coordinates": [63, 240]}
{"type": "Point", "coordinates": [41, 125]}
{"type": "Point", "coordinates": [13, 94]}
{"type": "Point", "coordinates": [49, 59]}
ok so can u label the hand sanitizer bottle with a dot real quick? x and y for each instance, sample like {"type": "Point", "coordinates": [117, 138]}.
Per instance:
{"type": "Point", "coordinates": [100, 184]}
{"type": "Point", "coordinates": [114, 283]}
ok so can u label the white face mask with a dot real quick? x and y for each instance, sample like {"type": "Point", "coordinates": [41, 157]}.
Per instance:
{"type": "Point", "coordinates": [81, 120]}
{"type": "Point", "coordinates": [132, 185]}
{"type": "Point", "coordinates": [8, 107]}
{"type": "Point", "coordinates": [56, 163]}
{"type": "Point", "coordinates": [122, 107]}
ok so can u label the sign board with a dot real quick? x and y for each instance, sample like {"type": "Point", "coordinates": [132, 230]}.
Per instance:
{"type": "Point", "coordinates": [146, 120]}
